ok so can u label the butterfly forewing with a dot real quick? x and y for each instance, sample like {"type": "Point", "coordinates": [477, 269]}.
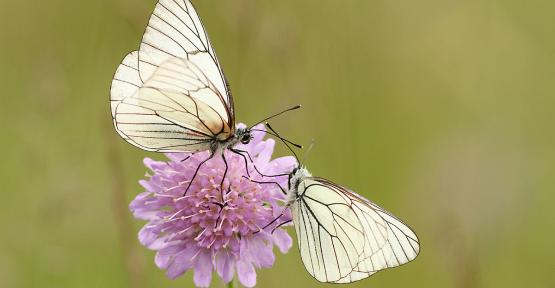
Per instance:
{"type": "Point", "coordinates": [176, 31]}
{"type": "Point", "coordinates": [343, 237]}
{"type": "Point", "coordinates": [185, 77]}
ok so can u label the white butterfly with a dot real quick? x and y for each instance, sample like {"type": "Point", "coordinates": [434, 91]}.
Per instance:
{"type": "Point", "coordinates": [172, 95]}
{"type": "Point", "coordinates": [343, 237]}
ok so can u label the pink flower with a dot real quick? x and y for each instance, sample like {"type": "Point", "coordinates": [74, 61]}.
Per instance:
{"type": "Point", "coordinates": [203, 232]}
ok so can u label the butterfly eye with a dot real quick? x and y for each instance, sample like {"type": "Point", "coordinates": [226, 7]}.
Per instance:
{"type": "Point", "coordinates": [246, 139]}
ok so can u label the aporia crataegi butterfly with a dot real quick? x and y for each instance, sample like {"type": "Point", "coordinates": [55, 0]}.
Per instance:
{"type": "Point", "coordinates": [172, 95]}
{"type": "Point", "coordinates": [342, 236]}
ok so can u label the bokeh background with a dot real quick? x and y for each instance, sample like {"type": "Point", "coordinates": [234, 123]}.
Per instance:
{"type": "Point", "coordinates": [440, 111]}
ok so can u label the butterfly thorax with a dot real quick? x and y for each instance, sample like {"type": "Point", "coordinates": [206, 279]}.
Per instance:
{"type": "Point", "coordinates": [241, 135]}
{"type": "Point", "coordinates": [295, 178]}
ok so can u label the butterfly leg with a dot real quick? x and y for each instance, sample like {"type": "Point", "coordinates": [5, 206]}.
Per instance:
{"type": "Point", "coordinates": [196, 172]}
{"type": "Point", "coordinates": [244, 158]}
{"type": "Point", "coordinates": [187, 158]}
{"type": "Point", "coordinates": [275, 219]}
{"type": "Point", "coordinates": [282, 212]}
{"type": "Point", "coordinates": [240, 152]}
{"type": "Point", "coordinates": [267, 182]}
{"type": "Point", "coordinates": [223, 177]}
{"type": "Point", "coordinates": [281, 224]}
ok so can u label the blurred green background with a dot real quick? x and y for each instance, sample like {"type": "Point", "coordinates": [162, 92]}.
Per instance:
{"type": "Point", "coordinates": [440, 111]}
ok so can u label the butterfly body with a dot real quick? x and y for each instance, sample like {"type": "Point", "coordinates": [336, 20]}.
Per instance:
{"type": "Point", "coordinates": [295, 178]}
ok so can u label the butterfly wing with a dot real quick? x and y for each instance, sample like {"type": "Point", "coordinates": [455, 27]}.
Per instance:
{"type": "Point", "coordinates": [176, 31]}
{"type": "Point", "coordinates": [343, 237]}
{"type": "Point", "coordinates": [329, 234]}
{"type": "Point", "coordinates": [171, 95]}
{"type": "Point", "coordinates": [170, 112]}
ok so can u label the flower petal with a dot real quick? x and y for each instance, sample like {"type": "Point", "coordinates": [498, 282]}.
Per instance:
{"type": "Point", "coordinates": [152, 164]}
{"type": "Point", "coordinates": [257, 136]}
{"type": "Point", "coordinates": [162, 261]}
{"type": "Point", "coordinates": [224, 266]}
{"type": "Point", "coordinates": [147, 236]}
{"type": "Point", "coordinates": [280, 165]}
{"type": "Point", "coordinates": [260, 252]}
{"type": "Point", "coordinates": [181, 263]}
{"type": "Point", "coordinates": [177, 157]}
{"type": "Point", "coordinates": [192, 227]}
{"type": "Point", "coordinates": [265, 154]}
{"type": "Point", "coordinates": [140, 209]}
{"type": "Point", "coordinates": [282, 240]}
{"type": "Point", "coordinates": [203, 269]}
{"type": "Point", "coordinates": [246, 274]}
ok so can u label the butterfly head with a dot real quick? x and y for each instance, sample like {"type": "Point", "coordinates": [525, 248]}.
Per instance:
{"type": "Point", "coordinates": [296, 176]}
{"type": "Point", "coordinates": [243, 135]}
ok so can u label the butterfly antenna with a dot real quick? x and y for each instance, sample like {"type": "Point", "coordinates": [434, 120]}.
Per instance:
{"type": "Point", "coordinates": [284, 141]}
{"type": "Point", "coordinates": [277, 114]}
{"type": "Point", "coordinates": [277, 136]}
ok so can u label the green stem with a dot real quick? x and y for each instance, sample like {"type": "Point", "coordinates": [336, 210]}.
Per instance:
{"type": "Point", "coordinates": [230, 284]}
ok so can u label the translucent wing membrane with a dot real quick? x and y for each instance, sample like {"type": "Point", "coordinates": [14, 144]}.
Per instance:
{"type": "Point", "coordinates": [183, 76]}
{"type": "Point", "coordinates": [126, 81]}
{"type": "Point", "coordinates": [343, 237]}
{"type": "Point", "coordinates": [175, 31]}
{"type": "Point", "coordinates": [175, 110]}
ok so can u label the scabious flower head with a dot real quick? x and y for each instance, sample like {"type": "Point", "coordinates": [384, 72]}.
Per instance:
{"type": "Point", "coordinates": [200, 231]}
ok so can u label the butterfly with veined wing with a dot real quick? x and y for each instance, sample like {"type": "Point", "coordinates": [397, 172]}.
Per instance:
{"type": "Point", "coordinates": [172, 95]}
{"type": "Point", "coordinates": [342, 236]}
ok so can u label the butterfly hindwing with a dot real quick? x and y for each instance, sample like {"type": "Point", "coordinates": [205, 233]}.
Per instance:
{"type": "Point", "coordinates": [168, 113]}
{"type": "Point", "coordinates": [126, 80]}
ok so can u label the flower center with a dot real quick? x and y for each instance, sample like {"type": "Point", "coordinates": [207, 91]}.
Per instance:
{"type": "Point", "coordinates": [217, 215]}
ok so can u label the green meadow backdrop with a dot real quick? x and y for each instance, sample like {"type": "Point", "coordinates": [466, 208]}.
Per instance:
{"type": "Point", "coordinates": [440, 111]}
